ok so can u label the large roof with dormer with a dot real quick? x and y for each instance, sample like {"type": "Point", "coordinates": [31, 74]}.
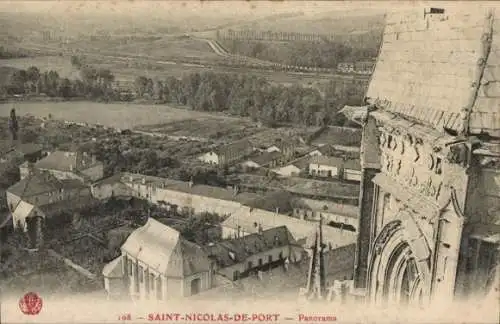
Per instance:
{"type": "Point", "coordinates": [441, 69]}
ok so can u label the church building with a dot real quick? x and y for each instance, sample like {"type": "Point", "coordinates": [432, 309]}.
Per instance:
{"type": "Point", "coordinates": [429, 225]}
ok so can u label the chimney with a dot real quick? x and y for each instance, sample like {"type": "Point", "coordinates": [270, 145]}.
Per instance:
{"type": "Point", "coordinates": [71, 167]}
{"type": "Point", "coordinates": [260, 229]}
{"type": "Point", "coordinates": [191, 182]}
{"type": "Point", "coordinates": [143, 181]}
{"type": "Point", "coordinates": [235, 190]}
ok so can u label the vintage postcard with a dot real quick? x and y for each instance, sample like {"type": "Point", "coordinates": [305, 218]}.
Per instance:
{"type": "Point", "coordinates": [249, 162]}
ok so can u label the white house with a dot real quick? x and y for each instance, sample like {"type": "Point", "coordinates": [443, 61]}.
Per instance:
{"type": "Point", "coordinates": [352, 170]}
{"type": "Point", "coordinates": [325, 166]}
{"type": "Point", "coordinates": [248, 221]}
{"type": "Point", "coordinates": [157, 263]}
{"type": "Point", "coordinates": [227, 154]}
{"type": "Point", "coordinates": [273, 148]}
{"type": "Point", "coordinates": [287, 171]}
{"type": "Point", "coordinates": [333, 214]}
{"type": "Point", "coordinates": [237, 258]}
{"type": "Point", "coordinates": [185, 196]}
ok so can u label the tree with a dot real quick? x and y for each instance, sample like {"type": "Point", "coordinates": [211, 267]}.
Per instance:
{"type": "Point", "coordinates": [76, 62]}
{"type": "Point", "coordinates": [13, 124]}
{"type": "Point", "coordinates": [141, 83]}
{"type": "Point", "coordinates": [64, 88]}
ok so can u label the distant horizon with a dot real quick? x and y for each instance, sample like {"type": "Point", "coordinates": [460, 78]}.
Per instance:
{"type": "Point", "coordinates": [155, 8]}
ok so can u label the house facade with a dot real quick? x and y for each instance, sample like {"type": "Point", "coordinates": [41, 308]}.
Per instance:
{"type": "Point", "coordinates": [186, 197]}
{"type": "Point", "coordinates": [263, 160]}
{"type": "Point", "coordinates": [41, 194]}
{"type": "Point", "coordinates": [325, 166]}
{"type": "Point", "coordinates": [240, 257]}
{"type": "Point", "coordinates": [429, 205]}
{"type": "Point", "coordinates": [290, 170]}
{"type": "Point", "coordinates": [156, 263]}
{"type": "Point", "coordinates": [228, 154]}
{"type": "Point", "coordinates": [68, 165]}
{"type": "Point", "coordinates": [351, 170]}
{"type": "Point", "coordinates": [251, 221]}
{"type": "Point", "coordinates": [333, 214]}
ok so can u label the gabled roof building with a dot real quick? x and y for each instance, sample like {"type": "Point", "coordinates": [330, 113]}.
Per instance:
{"type": "Point", "coordinates": [430, 159]}
{"type": "Point", "coordinates": [157, 263]}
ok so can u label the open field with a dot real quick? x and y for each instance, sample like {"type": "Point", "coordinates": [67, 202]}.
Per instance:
{"type": "Point", "coordinates": [168, 47]}
{"type": "Point", "coordinates": [122, 115]}
{"type": "Point", "coordinates": [126, 70]}
{"type": "Point", "coordinates": [208, 128]}
{"type": "Point", "coordinates": [45, 63]}
{"type": "Point", "coordinates": [318, 24]}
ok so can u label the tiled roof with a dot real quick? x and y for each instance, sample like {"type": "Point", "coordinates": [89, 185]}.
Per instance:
{"type": "Point", "coordinates": [353, 164]}
{"type": "Point", "coordinates": [234, 251]}
{"type": "Point", "coordinates": [163, 249]}
{"type": "Point", "coordinates": [62, 161]}
{"type": "Point", "coordinates": [196, 189]}
{"type": "Point", "coordinates": [23, 148]}
{"type": "Point", "coordinates": [280, 284]}
{"type": "Point", "coordinates": [335, 135]}
{"type": "Point", "coordinates": [57, 160]}
{"type": "Point", "coordinates": [302, 162]}
{"type": "Point", "coordinates": [300, 229]}
{"type": "Point", "coordinates": [235, 147]}
{"type": "Point", "coordinates": [327, 160]}
{"type": "Point", "coordinates": [113, 269]}
{"type": "Point", "coordinates": [41, 182]}
{"type": "Point", "coordinates": [22, 210]}
{"type": "Point", "coordinates": [430, 69]}
{"type": "Point", "coordinates": [72, 204]}
{"type": "Point", "coordinates": [264, 158]}
{"type": "Point", "coordinates": [330, 207]}
{"type": "Point", "coordinates": [273, 200]}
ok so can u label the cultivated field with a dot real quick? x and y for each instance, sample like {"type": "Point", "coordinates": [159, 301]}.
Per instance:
{"type": "Point", "coordinates": [122, 115]}
{"type": "Point", "coordinates": [208, 128]}
{"type": "Point", "coordinates": [319, 23]}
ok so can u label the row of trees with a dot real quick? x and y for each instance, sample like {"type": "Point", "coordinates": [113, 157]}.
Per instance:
{"type": "Point", "coordinates": [9, 54]}
{"type": "Point", "coordinates": [255, 97]}
{"type": "Point", "coordinates": [237, 94]}
{"type": "Point", "coordinates": [93, 83]}
{"type": "Point", "coordinates": [308, 54]}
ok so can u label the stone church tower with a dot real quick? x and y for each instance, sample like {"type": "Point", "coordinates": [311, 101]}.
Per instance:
{"type": "Point", "coordinates": [429, 225]}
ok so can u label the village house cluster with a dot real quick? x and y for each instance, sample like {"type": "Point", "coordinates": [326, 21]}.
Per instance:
{"type": "Point", "coordinates": [254, 240]}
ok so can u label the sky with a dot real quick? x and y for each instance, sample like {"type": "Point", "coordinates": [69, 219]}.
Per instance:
{"type": "Point", "coordinates": [197, 7]}
{"type": "Point", "coordinates": [144, 12]}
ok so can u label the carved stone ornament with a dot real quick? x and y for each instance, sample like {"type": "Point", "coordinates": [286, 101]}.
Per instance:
{"type": "Point", "coordinates": [409, 139]}
{"type": "Point", "coordinates": [393, 144]}
{"type": "Point", "coordinates": [402, 147]}
{"type": "Point", "coordinates": [416, 153]}
{"type": "Point", "coordinates": [430, 162]}
{"type": "Point", "coordinates": [398, 167]}
{"type": "Point", "coordinates": [458, 154]}
{"type": "Point", "coordinates": [413, 180]}
{"type": "Point", "coordinates": [388, 162]}
{"type": "Point", "coordinates": [382, 139]}
{"type": "Point", "coordinates": [385, 234]}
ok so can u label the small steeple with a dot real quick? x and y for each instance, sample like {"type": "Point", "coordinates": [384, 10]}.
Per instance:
{"type": "Point", "coordinates": [316, 281]}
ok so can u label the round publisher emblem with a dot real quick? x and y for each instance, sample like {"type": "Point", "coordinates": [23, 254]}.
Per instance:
{"type": "Point", "coordinates": [30, 304]}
